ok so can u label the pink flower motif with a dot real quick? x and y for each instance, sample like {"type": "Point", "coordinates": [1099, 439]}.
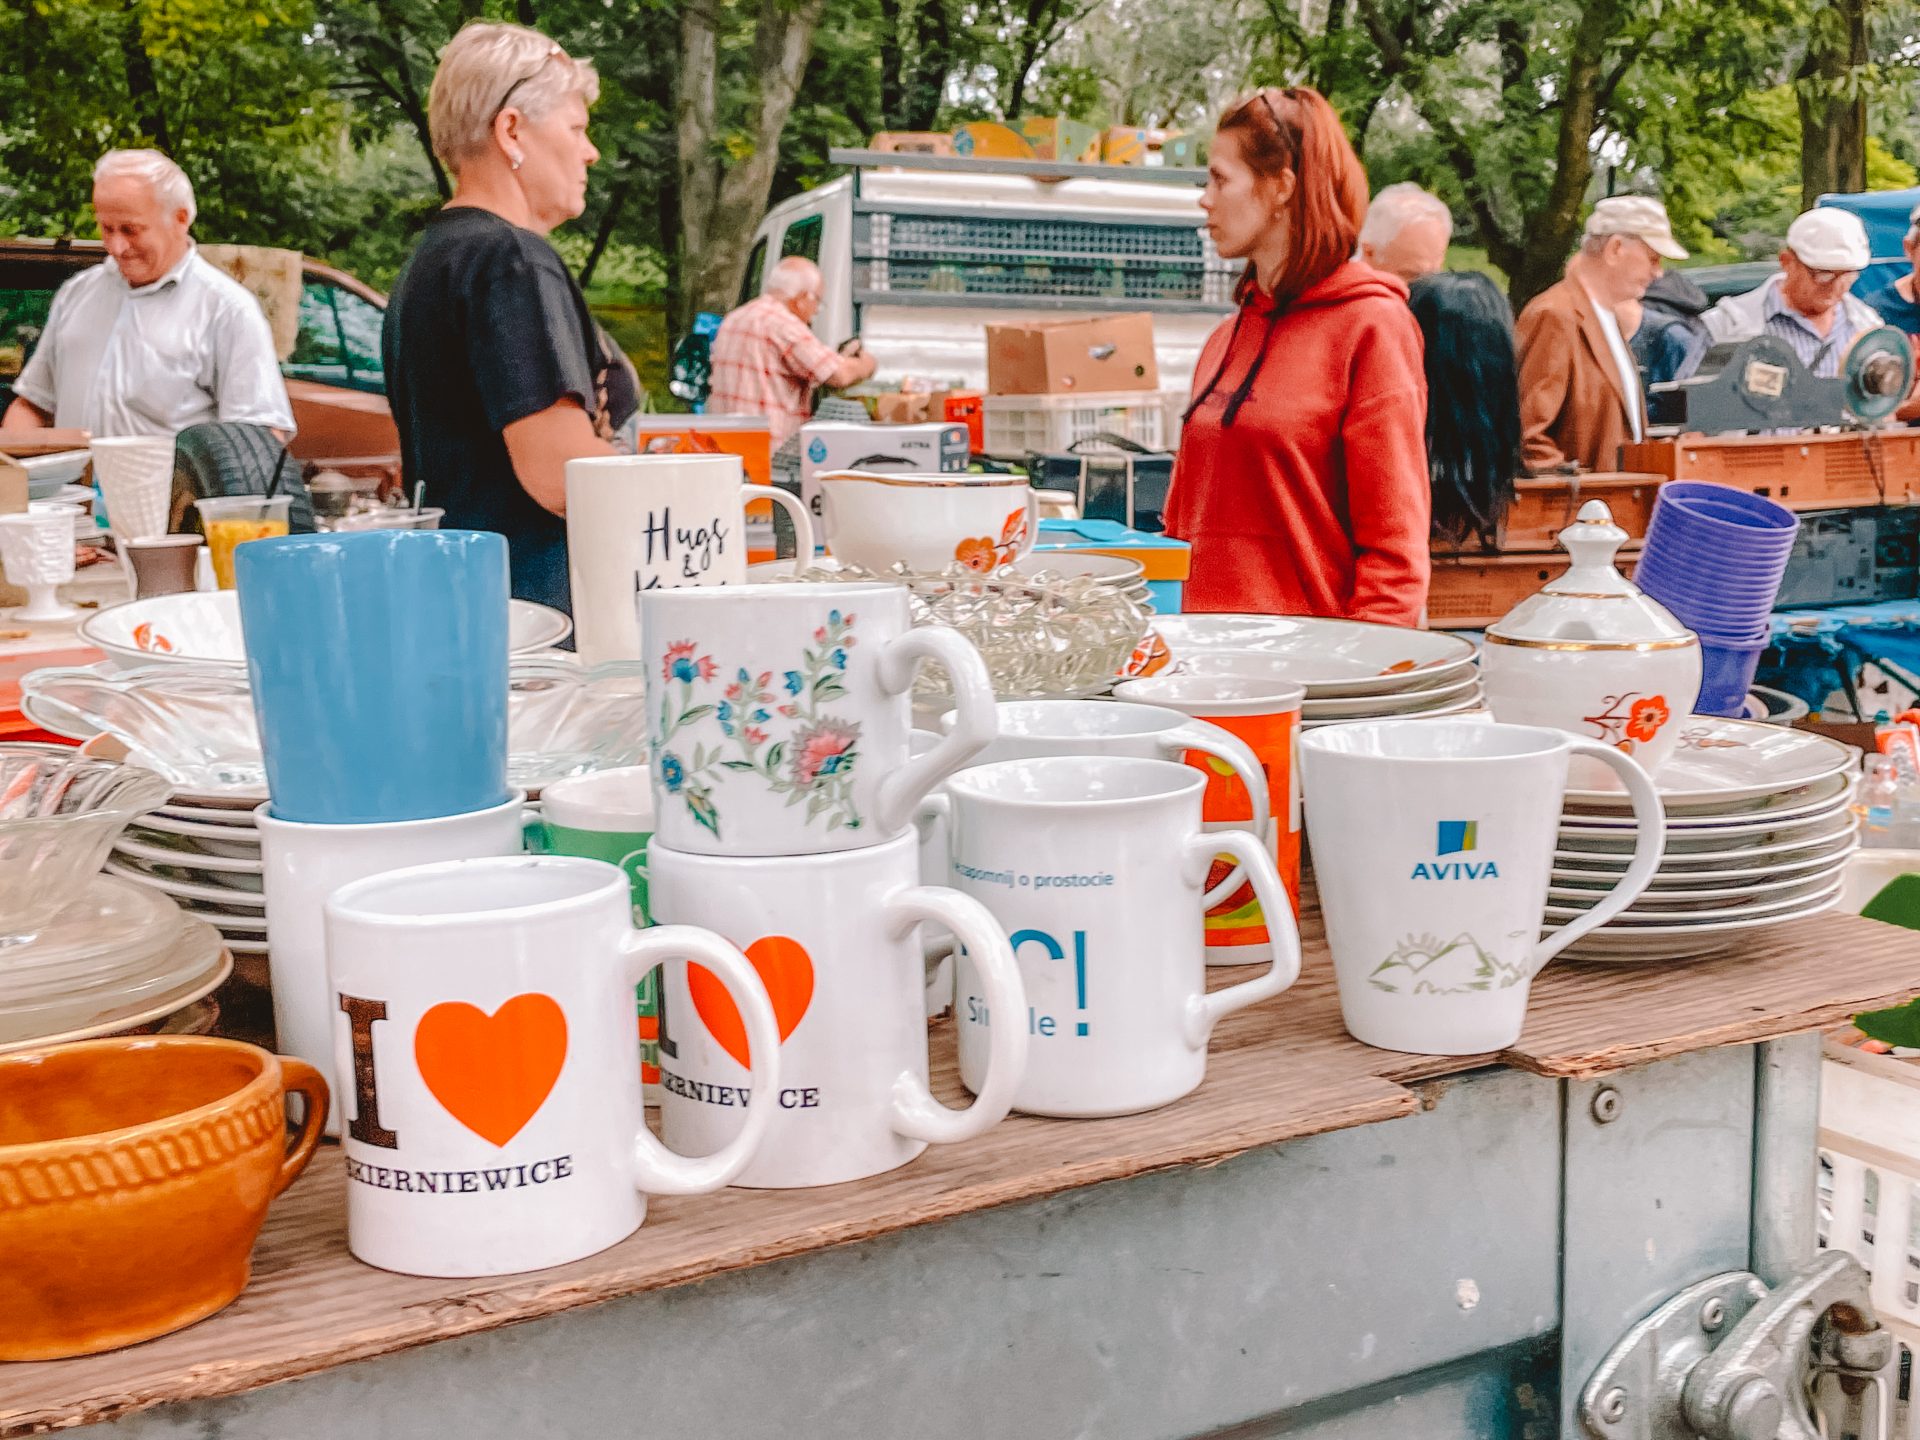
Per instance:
{"type": "Point", "coordinates": [707, 667]}
{"type": "Point", "coordinates": [788, 711]}
{"type": "Point", "coordinates": [733, 691]}
{"type": "Point", "coordinates": [820, 636]}
{"type": "Point", "coordinates": [825, 748]}
{"type": "Point", "coordinates": [755, 735]}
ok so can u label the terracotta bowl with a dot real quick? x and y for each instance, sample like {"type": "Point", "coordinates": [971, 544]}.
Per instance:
{"type": "Point", "coordinates": [134, 1175]}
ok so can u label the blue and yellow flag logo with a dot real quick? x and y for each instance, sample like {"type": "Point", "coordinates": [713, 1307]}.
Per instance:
{"type": "Point", "coordinates": [1457, 836]}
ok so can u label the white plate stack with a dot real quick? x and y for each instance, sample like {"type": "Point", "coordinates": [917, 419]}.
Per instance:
{"type": "Point", "coordinates": [203, 852]}
{"type": "Point", "coordinates": [1760, 826]}
{"type": "Point", "coordinates": [1350, 670]}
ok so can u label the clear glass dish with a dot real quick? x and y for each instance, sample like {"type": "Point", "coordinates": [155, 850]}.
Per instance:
{"type": "Point", "coordinates": [59, 816]}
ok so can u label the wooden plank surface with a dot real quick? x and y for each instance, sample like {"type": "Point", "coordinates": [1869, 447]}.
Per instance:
{"type": "Point", "coordinates": [1278, 1072]}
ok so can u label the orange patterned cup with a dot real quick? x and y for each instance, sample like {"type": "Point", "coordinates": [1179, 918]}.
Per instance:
{"type": "Point", "coordinates": [1265, 713]}
{"type": "Point", "coordinates": [135, 1174]}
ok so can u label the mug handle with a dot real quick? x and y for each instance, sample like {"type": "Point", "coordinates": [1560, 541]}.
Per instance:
{"type": "Point", "coordinates": [1032, 537]}
{"type": "Point", "coordinates": [656, 1169]}
{"type": "Point", "coordinates": [1650, 845]}
{"type": "Point", "coordinates": [976, 724]}
{"type": "Point", "coordinates": [797, 512]}
{"type": "Point", "coordinates": [916, 1114]}
{"type": "Point", "coordinates": [300, 1078]}
{"type": "Point", "coordinates": [1208, 1010]}
{"type": "Point", "coordinates": [1212, 740]}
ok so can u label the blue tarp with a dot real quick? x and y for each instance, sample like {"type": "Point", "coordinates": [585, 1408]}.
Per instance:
{"type": "Point", "coordinates": [1884, 213]}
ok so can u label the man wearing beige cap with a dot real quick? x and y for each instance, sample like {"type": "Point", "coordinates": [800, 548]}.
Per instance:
{"type": "Point", "coordinates": [1806, 304]}
{"type": "Point", "coordinates": [1580, 397]}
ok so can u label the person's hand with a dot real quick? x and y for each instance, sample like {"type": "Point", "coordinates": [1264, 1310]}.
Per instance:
{"type": "Point", "coordinates": [868, 365]}
{"type": "Point", "coordinates": [852, 346]}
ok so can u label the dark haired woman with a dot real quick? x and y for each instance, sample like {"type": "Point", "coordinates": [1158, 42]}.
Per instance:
{"type": "Point", "coordinates": [1302, 476]}
{"type": "Point", "coordinates": [1473, 403]}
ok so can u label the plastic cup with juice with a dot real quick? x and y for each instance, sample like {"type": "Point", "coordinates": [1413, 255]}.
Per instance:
{"type": "Point", "coordinates": [231, 520]}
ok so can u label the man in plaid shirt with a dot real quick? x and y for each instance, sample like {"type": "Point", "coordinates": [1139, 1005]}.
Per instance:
{"type": "Point", "coordinates": [766, 361]}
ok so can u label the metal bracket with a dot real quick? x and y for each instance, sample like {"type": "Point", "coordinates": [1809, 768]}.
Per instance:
{"type": "Point", "coordinates": [1727, 1359]}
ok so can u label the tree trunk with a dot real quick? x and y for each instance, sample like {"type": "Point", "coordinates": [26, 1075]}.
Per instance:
{"type": "Point", "coordinates": [1833, 112]}
{"type": "Point", "coordinates": [609, 217]}
{"type": "Point", "coordinates": [142, 89]}
{"type": "Point", "coordinates": [722, 198]}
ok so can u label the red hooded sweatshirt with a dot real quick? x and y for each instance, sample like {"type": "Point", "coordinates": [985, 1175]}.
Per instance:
{"type": "Point", "coordinates": [1315, 499]}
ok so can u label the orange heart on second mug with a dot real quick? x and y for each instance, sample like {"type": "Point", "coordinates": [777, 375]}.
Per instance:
{"type": "Point", "coordinates": [784, 968]}
{"type": "Point", "coordinates": [492, 1073]}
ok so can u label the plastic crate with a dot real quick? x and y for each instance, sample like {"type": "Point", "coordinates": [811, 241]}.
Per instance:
{"type": "Point", "coordinates": [1017, 425]}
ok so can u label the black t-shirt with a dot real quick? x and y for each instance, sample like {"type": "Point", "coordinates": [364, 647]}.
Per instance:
{"type": "Point", "coordinates": [486, 327]}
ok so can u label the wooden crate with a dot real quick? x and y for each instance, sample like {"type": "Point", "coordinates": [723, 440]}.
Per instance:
{"type": "Point", "coordinates": [1470, 592]}
{"type": "Point", "coordinates": [1802, 472]}
{"type": "Point", "coordinates": [1544, 506]}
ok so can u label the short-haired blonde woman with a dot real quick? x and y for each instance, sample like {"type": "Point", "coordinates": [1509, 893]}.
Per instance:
{"type": "Point", "coordinates": [496, 371]}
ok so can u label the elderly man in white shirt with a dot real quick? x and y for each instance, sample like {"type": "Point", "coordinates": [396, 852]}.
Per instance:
{"type": "Point", "coordinates": [156, 339]}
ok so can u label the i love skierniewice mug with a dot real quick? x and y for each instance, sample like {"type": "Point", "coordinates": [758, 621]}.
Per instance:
{"type": "Point", "coordinates": [489, 1065]}
{"type": "Point", "coordinates": [1096, 868]}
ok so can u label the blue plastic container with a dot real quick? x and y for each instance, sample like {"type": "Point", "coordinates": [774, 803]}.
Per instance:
{"type": "Point", "coordinates": [1726, 674]}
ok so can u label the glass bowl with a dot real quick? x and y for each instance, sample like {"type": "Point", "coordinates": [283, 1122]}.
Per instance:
{"type": "Point", "coordinates": [59, 815]}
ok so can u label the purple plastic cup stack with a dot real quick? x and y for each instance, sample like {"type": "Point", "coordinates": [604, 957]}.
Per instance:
{"type": "Point", "coordinates": [1715, 557]}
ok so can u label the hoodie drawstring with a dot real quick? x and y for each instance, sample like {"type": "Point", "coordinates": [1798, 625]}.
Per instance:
{"type": "Point", "coordinates": [1245, 388]}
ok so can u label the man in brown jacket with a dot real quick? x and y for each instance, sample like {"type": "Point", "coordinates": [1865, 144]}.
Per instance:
{"type": "Point", "coordinates": [1580, 398]}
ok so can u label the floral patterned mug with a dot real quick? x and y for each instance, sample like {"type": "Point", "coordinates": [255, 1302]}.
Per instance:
{"type": "Point", "coordinates": [780, 715]}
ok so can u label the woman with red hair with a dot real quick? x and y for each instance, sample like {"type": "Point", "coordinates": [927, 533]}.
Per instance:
{"type": "Point", "coordinates": [1302, 476]}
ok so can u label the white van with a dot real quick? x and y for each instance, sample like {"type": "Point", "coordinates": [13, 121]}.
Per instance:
{"type": "Point", "coordinates": [921, 252]}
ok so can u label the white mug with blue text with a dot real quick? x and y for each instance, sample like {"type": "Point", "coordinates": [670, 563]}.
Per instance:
{"type": "Point", "coordinates": [1096, 868]}
{"type": "Point", "coordinates": [833, 939]}
{"type": "Point", "coordinates": [1432, 846]}
{"type": "Point", "coordinates": [657, 522]}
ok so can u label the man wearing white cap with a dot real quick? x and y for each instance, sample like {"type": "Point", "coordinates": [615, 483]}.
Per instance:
{"type": "Point", "coordinates": [1580, 398]}
{"type": "Point", "coordinates": [1806, 304]}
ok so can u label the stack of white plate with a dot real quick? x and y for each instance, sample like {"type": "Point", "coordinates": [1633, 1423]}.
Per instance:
{"type": "Point", "coordinates": [1350, 670]}
{"type": "Point", "coordinates": [203, 852]}
{"type": "Point", "coordinates": [1759, 830]}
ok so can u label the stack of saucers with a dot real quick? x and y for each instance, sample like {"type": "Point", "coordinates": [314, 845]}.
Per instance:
{"type": "Point", "coordinates": [202, 852]}
{"type": "Point", "coordinates": [1759, 830]}
{"type": "Point", "coordinates": [1349, 669]}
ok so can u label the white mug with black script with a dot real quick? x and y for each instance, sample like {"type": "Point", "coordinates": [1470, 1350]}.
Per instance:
{"type": "Point", "coordinates": [647, 522]}
{"type": "Point", "coordinates": [833, 939]}
{"type": "Point", "coordinates": [489, 1065]}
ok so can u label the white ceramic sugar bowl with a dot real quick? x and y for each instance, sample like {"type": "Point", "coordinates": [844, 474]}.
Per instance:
{"type": "Point", "coordinates": [1592, 655]}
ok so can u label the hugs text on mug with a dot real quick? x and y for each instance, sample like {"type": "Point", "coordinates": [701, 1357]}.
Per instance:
{"type": "Point", "coordinates": [694, 549]}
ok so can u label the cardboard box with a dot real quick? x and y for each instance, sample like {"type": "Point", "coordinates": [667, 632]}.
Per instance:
{"type": "Point", "coordinates": [905, 449]}
{"type": "Point", "coordinates": [913, 142]}
{"type": "Point", "coordinates": [13, 501]}
{"type": "Point", "coordinates": [274, 278]}
{"type": "Point", "coordinates": [1055, 137]}
{"type": "Point", "coordinates": [748, 436]}
{"type": "Point", "coordinates": [985, 140]}
{"type": "Point", "coordinates": [1054, 357]}
{"type": "Point", "coordinates": [921, 407]}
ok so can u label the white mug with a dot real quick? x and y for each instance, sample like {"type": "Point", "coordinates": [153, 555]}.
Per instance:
{"type": "Point", "coordinates": [490, 1069]}
{"type": "Point", "coordinates": [1096, 867]}
{"type": "Point", "coordinates": [1432, 846]}
{"type": "Point", "coordinates": [1031, 729]}
{"type": "Point", "coordinates": [644, 522]}
{"type": "Point", "coordinates": [927, 522]}
{"type": "Point", "coordinates": [302, 864]}
{"type": "Point", "coordinates": [780, 715]}
{"type": "Point", "coordinates": [833, 937]}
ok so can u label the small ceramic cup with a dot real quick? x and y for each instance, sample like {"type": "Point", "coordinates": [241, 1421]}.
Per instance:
{"type": "Point", "coordinates": [135, 1174]}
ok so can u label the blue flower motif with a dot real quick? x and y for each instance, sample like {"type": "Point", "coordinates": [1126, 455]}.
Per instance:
{"type": "Point", "coordinates": [760, 717]}
{"type": "Point", "coordinates": [833, 617]}
{"type": "Point", "coordinates": [745, 678]}
{"type": "Point", "coordinates": [685, 669]}
{"type": "Point", "coordinates": [839, 659]}
{"type": "Point", "coordinates": [794, 683]}
{"type": "Point", "coordinates": [672, 773]}
{"type": "Point", "coordinates": [725, 716]}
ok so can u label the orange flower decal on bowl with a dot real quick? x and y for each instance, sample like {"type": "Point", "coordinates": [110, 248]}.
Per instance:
{"type": "Point", "coordinates": [976, 554]}
{"type": "Point", "coordinates": [1647, 717]}
{"type": "Point", "coordinates": [145, 637]}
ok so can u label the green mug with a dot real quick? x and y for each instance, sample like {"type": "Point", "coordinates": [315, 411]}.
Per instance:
{"type": "Point", "coordinates": [608, 815]}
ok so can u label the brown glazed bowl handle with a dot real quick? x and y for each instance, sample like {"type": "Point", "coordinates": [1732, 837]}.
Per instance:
{"type": "Point", "coordinates": [298, 1077]}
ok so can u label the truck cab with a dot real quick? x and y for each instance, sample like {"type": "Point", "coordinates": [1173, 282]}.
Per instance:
{"type": "Point", "coordinates": [921, 252]}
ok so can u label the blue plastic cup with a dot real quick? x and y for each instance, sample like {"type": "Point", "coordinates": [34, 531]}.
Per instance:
{"type": "Point", "coordinates": [379, 668]}
{"type": "Point", "coordinates": [1726, 674]}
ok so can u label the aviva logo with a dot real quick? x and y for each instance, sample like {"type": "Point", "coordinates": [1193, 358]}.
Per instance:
{"type": "Point", "coordinates": [1456, 837]}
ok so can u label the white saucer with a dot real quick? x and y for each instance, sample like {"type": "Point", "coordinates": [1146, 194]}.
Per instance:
{"type": "Point", "coordinates": [1337, 657]}
{"type": "Point", "coordinates": [1837, 851]}
{"type": "Point", "coordinates": [1725, 760]}
{"type": "Point", "coordinates": [184, 890]}
{"type": "Point", "coordinates": [1723, 840]}
{"type": "Point", "coordinates": [1642, 944]}
{"type": "Point", "coordinates": [1681, 902]}
{"type": "Point", "coordinates": [198, 958]}
{"type": "Point", "coordinates": [1759, 910]}
{"type": "Point", "coordinates": [1802, 800]}
{"type": "Point", "coordinates": [183, 859]}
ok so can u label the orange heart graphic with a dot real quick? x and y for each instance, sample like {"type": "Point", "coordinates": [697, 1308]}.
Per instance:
{"type": "Point", "coordinates": [784, 968]}
{"type": "Point", "coordinates": [492, 1072]}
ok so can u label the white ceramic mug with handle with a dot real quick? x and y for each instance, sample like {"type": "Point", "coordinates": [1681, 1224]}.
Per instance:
{"type": "Point", "coordinates": [1432, 847]}
{"type": "Point", "coordinates": [646, 522]}
{"type": "Point", "coordinates": [1031, 729]}
{"type": "Point", "coordinates": [833, 937]}
{"type": "Point", "coordinates": [1095, 866]}
{"type": "Point", "coordinates": [780, 715]}
{"type": "Point", "coordinates": [489, 1066]}
{"type": "Point", "coordinates": [928, 522]}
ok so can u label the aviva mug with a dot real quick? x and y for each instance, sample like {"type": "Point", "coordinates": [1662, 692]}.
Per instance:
{"type": "Point", "coordinates": [490, 1070]}
{"type": "Point", "coordinates": [833, 938]}
{"type": "Point", "coordinates": [780, 715]}
{"type": "Point", "coordinates": [645, 522]}
{"type": "Point", "coordinates": [1433, 844]}
{"type": "Point", "coordinates": [1096, 869]}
